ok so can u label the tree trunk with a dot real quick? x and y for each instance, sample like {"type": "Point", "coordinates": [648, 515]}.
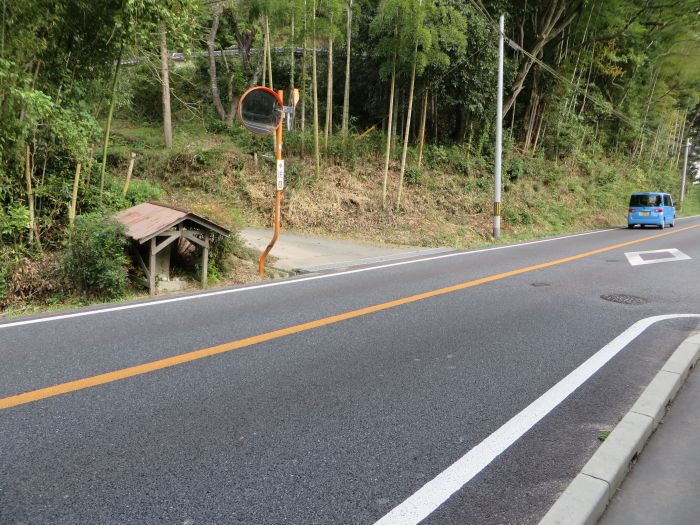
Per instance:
{"type": "Point", "coordinates": [681, 138]}
{"type": "Point", "coordinates": [346, 94]}
{"type": "Point", "coordinates": [329, 93]}
{"type": "Point", "coordinates": [314, 80]}
{"type": "Point", "coordinates": [2, 36]}
{"type": "Point", "coordinates": [74, 197]}
{"type": "Point", "coordinates": [292, 64]}
{"type": "Point", "coordinates": [91, 155]}
{"type": "Point", "coordinates": [652, 158]}
{"type": "Point", "coordinates": [232, 100]}
{"type": "Point", "coordinates": [108, 126]}
{"type": "Point", "coordinates": [539, 127]}
{"type": "Point", "coordinates": [30, 192]}
{"type": "Point", "coordinates": [389, 130]}
{"type": "Point", "coordinates": [407, 127]}
{"type": "Point", "coordinates": [225, 115]}
{"type": "Point", "coordinates": [532, 109]}
{"type": "Point", "coordinates": [639, 148]}
{"type": "Point", "coordinates": [245, 40]}
{"type": "Point", "coordinates": [588, 83]}
{"type": "Point", "coordinates": [165, 81]}
{"type": "Point", "coordinates": [303, 86]}
{"type": "Point", "coordinates": [264, 53]}
{"type": "Point", "coordinates": [213, 81]}
{"type": "Point", "coordinates": [421, 134]}
{"type": "Point", "coordinates": [435, 118]}
{"type": "Point", "coordinates": [397, 104]}
{"type": "Point", "coordinates": [460, 129]}
{"type": "Point", "coordinates": [547, 31]}
{"type": "Point", "coordinates": [269, 49]}
{"type": "Point", "coordinates": [129, 173]}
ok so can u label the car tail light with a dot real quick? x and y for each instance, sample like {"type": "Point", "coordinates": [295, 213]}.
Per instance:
{"type": "Point", "coordinates": [659, 210]}
{"type": "Point", "coordinates": [631, 210]}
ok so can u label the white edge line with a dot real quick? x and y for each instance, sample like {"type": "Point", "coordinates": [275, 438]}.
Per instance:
{"type": "Point", "coordinates": [434, 493]}
{"type": "Point", "coordinates": [291, 281]}
{"type": "Point", "coordinates": [283, 283]}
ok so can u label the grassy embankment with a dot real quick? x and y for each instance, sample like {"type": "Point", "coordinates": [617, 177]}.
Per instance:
{"type": "Point", "coordinates": [446, 203]}
{"type": "Point", "coordinates": [691, 204]}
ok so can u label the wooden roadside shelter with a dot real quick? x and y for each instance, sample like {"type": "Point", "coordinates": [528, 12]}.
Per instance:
{"type": "Point", "coordinates": [155, 227]}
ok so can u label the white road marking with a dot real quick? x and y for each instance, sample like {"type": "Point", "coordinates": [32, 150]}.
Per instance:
{"type": "Point", "coordinates": [434, 493]}
{"type": "Point", "coordinates": [674, 254]}
{"type": "Point", "coordinates": [283, 283]}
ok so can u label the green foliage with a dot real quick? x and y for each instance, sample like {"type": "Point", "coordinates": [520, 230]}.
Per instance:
{"type": "Point", "coordinates": [14, 224]}
{"type": "Point", "coordinates": [4, 275]}
{"type": "Point", "coordinates": [95, 261]}
{"type": "Point", "coordinates": [413, 176]}
{"type": "Point", "coordinates": [691, 203]}
{"type": "Point", "coordinates": [398, 28]}
{"type": "Point", "coordinates": [143, 191]}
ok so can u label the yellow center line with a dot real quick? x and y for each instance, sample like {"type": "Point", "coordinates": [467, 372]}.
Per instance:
{"type": "Point", "coordinates": [124, 373]}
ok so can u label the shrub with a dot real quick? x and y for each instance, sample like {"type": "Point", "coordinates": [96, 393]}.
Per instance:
{"type": "Point", "coordinates": [413, 176]}
{"type": "Point", "coordinates": [95, 261]}
{"type": "Point", "coordinates": [14, 222]}
{"type": "Point", "coordinates": [142, 191]}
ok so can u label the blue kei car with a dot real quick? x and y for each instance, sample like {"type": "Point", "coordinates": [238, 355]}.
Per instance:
{"type": "Point", "coordinates": [651, 209]}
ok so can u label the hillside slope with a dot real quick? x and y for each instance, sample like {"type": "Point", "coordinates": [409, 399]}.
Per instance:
{"type": "Point", "coordinates": [446, 203]}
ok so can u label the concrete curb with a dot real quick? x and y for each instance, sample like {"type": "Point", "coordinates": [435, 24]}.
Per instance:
{"type": "Point", "coordinates": [584, 500]}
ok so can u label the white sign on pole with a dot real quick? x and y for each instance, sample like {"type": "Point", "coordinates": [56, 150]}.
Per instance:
{"type": "Point", "coordinates": [280, 175]}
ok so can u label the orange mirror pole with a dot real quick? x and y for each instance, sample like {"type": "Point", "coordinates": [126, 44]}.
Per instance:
{"type": "Point", "coordinates": [278, 199]}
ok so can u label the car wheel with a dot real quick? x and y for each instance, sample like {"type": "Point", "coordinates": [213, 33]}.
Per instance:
{"type": "Point", "coordinates": [630, 226]}
{"type": "Point", "coordinates": [662, 225]}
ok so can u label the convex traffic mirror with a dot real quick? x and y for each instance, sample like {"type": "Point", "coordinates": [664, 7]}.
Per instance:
{"type": "Point", "coordinates": [260, 110]}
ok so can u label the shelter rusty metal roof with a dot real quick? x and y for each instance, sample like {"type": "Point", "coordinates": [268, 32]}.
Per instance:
{"type": "Point", "coordinates": [149, 219]}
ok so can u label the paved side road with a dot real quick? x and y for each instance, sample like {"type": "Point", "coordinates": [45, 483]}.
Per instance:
{"type": "Point", "coordinates": [664, 485]}
{"type": "Point", "coordinates": [294, 251]}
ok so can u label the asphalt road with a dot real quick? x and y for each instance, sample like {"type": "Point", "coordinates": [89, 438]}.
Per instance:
{"type": "Point", "coordinates": [341, 420]}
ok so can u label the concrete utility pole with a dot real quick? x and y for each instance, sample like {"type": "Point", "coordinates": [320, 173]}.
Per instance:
{"type": "Point", "coordinates": [685, 173]}
{"type": "Point", "coordinates": [499, 136]}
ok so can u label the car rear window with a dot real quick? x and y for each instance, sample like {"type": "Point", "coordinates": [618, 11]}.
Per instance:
{"type": "Point", "coordinates": [645, 200]}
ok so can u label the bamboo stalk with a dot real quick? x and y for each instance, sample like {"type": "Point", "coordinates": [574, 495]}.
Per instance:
{"type": "Point", "coordinates": [317, 152]}
{"type": "Point", "coordinates": [406, 130]}
{"type": "Point", "coordinates": [30, 192]}
{"type": "Point", "coordinates": [389, 131]}
{"type": "Point", "coordinates": [269, 50]}
{"type": "Point", "coordinates": [74, 197]}
{"type": "Point", "coordinates": [91, 156]}
{"type": "Point", "coordinates": [108, 127]}
{"type": "Point", "coordinates": [329, 93]}
{"type": "Point", "coordinates": [424, 115]}
{"type": "Point", "coordinates": [129, 171]}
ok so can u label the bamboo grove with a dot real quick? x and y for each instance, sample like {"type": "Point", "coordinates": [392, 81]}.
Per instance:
{"type": "Point", "coordinates": [616, 75]}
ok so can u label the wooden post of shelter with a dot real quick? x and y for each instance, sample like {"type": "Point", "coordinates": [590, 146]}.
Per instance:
{"type": "Point", "coordinates": [205, 261]}
{"type": "Point", "coordinates": [152, 267]}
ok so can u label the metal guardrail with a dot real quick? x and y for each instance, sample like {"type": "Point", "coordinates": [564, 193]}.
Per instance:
{"type": "Point", "coordinates": [231, 51]}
